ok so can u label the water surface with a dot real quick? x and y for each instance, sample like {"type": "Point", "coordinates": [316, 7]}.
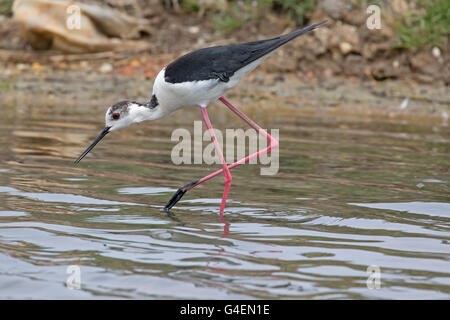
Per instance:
{"type": "Point", "coordinates": [350, 193]}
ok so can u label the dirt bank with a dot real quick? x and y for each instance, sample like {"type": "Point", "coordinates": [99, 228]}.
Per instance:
{"type": "Point", "coordinates": [98, 84]}
{"type": "Point", "coordinates": [345, 47]}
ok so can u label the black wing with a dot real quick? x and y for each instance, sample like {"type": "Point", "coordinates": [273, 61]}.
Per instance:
{"type": "Point", "coordinates": [223, 61]}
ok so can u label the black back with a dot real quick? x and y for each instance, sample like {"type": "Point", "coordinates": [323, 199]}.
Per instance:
{"type": "Point", "coordinates": [222, 62]}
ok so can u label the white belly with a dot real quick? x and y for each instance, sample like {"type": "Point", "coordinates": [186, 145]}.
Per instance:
{"type": "Point", "coordinates": [174, 96]}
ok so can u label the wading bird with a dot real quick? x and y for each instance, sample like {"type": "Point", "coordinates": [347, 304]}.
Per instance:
{"type": "Point", "coordinates": [195, 80]}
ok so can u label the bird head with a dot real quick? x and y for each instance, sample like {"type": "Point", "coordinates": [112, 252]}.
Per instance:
{"type": "Point", "coordinates": [121, 115]}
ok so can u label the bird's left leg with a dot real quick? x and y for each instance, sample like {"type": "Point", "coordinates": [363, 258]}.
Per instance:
{"type": "Point", "coordinates": [226, 171]}
{"type": "Point", "coordinates": [273, 143]}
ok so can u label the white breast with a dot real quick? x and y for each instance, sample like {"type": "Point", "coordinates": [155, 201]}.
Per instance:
{"type": "Point", "coordinates": [174, 96]}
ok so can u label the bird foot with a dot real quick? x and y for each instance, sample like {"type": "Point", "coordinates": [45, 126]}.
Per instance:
{"type": "Point", "coordinates": [177, 196]}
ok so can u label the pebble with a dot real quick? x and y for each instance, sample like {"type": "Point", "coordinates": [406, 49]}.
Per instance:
{"type": "Point", "coordinates": [404, 104]}
{"type": "Point", "coordinates": [194, 29]}
{"type": "Point", "coordinates": [436, 52]}
{"type": "Point", "coordinates": [345, 47]}
{"type": "Point", "coordinates": [106, 67]}
{"type": "Point", "coordinates": [21, 66]}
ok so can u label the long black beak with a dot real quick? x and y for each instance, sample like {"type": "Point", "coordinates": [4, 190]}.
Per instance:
{"type": "Point", "coordinates": [97, 140]}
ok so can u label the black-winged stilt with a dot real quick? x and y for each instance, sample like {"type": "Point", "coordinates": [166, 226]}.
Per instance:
{"type": "Point", "coordinates": [195, 80]}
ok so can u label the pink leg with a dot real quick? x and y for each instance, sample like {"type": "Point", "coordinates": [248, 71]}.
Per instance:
{"type": "Point", "coordinates": [226, 171]}
{"type": "Point", "coordinates": [273, 143]}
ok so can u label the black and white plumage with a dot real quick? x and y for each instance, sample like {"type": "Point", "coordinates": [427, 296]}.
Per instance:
{"type": "Point", "coordinates": [195, 80]}
{"type": "Point", "coordinates": [202, 76]}
{"type": "Point", "coordinates": [222, 62]}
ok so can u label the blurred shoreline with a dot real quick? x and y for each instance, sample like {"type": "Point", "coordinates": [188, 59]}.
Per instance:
{"type": "Point", "coordinates": [98, 84]}
{"type": "Point", "coordinates": [342, 68]}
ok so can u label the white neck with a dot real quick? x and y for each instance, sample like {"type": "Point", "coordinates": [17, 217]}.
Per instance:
{"type": "Point", "coordinates": [141, 112]}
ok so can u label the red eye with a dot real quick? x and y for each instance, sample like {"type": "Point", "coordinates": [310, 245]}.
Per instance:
{"type": "Point", "coordinates": [116, 116]}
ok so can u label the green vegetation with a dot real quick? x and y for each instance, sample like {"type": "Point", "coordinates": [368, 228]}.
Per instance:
{"type": "Point", "coordinates": [431, 27]}
{"type": "Point", "coordinates": [6, 85]}
{"type": "Point", "coordinates": [228, 21]}
{"type": "Point", "coordinates": [428, 24]}
{"type": "Point", "coordinates": [295, 9]}
{"type": "Point", "coordinates": [6, 7]}
{"type": "Point", "coordinates": [191, 5]}
{"type": "Point", "coordinates": [237, 14]}
{"type": "Point", "coordinates": [234, 14]}
{"type": "Point", "coordinates": [367, 2]}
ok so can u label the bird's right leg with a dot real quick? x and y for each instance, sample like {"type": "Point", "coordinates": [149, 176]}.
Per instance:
{"type": "Point", "coordinates": [273, 143]}
{"type": "Point", "coordinates": [226, 171]}
{"type": "Point", "coordinates": [180, 192]}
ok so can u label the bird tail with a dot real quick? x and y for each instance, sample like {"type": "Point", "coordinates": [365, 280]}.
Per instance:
{"type": "Point", "coordinates": [275, 43]}
{"type": "Point", "coordinates": [294, 34]}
